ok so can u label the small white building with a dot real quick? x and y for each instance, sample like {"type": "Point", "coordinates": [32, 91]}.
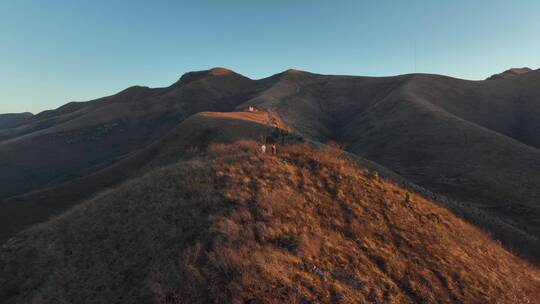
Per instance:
{"type": "Point", "coordinates": [252, 109]}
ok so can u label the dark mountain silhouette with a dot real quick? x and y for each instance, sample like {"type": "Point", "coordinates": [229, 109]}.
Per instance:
{"type": "Point", "coordinates": [80, 138]}
{"type": "Point", "coordinates": [13, 120]}
{"type": "Point", "coordinates": [510, 73]}
{"type": "Point", "coordinates": [473, 141]}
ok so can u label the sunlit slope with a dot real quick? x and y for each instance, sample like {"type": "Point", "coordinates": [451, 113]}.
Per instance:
{"type": "Point", "coordinates": [235, 227]}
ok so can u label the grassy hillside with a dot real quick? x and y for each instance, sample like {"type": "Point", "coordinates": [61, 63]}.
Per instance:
{"type": "Point", "coordinates": [81, 138]}
{"type": "Point", "coordinates": [237, 227]}
{"type": "Point", "coordinates": [473, 141]}
{"type": "Point", "coordinates": [191, 136]}
{"type": "Point", "coordinates": [451, 156]}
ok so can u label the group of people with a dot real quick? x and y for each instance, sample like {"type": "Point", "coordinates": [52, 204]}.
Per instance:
{"type": "Point", "coordinates": [273, 147]}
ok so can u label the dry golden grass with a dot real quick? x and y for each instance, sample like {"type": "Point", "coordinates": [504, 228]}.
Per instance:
{"type": "Point", "coordinates": [307, 226]}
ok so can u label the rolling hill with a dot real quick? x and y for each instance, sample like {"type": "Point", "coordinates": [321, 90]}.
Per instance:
{"type": "Point", "coordinates": [233, 226]}
{"type": "Point", "coordinates": [38, 206]}
{"type": "Point", "coordinates": [80, 138]}
{"type": "Point", "coordinates": [473, 141]}
{"type": "Point", "coordinates": [192, 135]}
{"type": "Point", "coordinates": [13, 120]}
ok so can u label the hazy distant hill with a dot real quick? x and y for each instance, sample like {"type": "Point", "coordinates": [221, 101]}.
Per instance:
{"type": "Point", "coordinates": [13, 119]}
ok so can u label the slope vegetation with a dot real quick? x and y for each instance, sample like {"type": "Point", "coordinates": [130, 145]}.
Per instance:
{"type": "Point", "coordinates": [81, 138]}
{"type": "Point", "coordinates": [412, 133]}
{"type": "Point", "coordinates": [474, 141]}
{"type": "Point", "coordinates": [237, 227]}
{"type": "Point", "coordinates": [192, 135]}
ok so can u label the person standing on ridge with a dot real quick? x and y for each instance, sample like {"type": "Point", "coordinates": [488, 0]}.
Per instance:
{"type": "Point", "coordinates": [274, 149]}
{"type": "Point", "coordinates": [263, 148]}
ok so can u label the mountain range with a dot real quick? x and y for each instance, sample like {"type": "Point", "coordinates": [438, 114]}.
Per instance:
{"type": "Point", "coordinates": [470, 147]}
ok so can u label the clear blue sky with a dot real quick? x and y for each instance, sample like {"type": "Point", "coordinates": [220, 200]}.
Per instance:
{"type": "Point", "coordinates": [53, 52]}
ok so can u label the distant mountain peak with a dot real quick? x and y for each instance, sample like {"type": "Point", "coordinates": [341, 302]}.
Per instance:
{"type": "Point", "coordinates": [510, 73]}
{"type": "Point", "coordinates": [293, 72]}
{"type": "Point", "coordinates": [196, 75]}
{"type": "Point", "coordinates": [219, 71]}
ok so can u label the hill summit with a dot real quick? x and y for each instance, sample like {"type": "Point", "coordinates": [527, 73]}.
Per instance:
{"type": "Point", "coordinates": [235, 226]}
{"type": "Point", "coordinates": [511, 73]}
{"type": "Point", "coordinates": [197, 75]}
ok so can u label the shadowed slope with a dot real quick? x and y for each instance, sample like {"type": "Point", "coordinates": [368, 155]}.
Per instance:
{"type": "Point", "coordinates": [92, 135]}
{"type": "Point", "coordinates": [13, 119]}
{"type": "Point", "coordinates": [81, 138]}
{"type": "Point", "coordinates": [192, 135]}
{"type": "Point", "coordinates": [503, 106]}
{"type": "Point", "coordinates": [435, 148]}
{"type": "Point", "coordinates": [303, 226]}
{"type": "Point", "coordinates": [471, 140]}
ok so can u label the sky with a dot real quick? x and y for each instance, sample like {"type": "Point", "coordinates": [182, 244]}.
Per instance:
{"type": "Point", "coordinates": [53, 52]}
